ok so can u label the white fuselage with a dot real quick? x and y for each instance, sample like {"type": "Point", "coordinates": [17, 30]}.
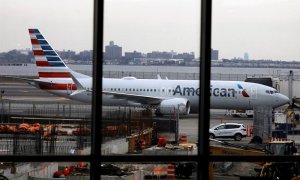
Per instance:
{"type": "Point", "coordinates": [224, 94]}
{"type": "Point", "coordinates": [57, 78]}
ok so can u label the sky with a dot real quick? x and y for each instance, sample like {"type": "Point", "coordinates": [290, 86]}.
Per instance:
{"type": "Point", "coordinates": [66, 24]}
{"type": "Point", "coordinates": [265, 29]}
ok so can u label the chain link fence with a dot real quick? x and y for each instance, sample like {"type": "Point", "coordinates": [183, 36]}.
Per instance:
{"type": "Point", "coordinates": [188, 76]}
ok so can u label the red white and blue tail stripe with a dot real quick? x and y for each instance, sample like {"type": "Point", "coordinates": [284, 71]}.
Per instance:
{"type": "Point", "coordinates": [50, 66]}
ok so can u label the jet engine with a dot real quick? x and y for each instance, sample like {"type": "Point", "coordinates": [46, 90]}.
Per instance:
{"type": "Point", "coordinates": [169, 106]}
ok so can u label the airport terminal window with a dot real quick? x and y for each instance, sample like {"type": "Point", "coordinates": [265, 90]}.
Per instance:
{"type": "Point", "coordinates": [133, 114]}
{"type": "Point", "coordinates": [203, 157]}
{"type": "Point", "coordinates": [35, 128]}
{"type": "Point", "coordinates": [231, 21]}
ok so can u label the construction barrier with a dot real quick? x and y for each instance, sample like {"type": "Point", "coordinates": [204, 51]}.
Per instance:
{"type": "Point", "coordinates": [249, 131]}
{"type": "Point", "coordinates": [171, 171]}
{"type": "Point", "coordinates": [183, 138]}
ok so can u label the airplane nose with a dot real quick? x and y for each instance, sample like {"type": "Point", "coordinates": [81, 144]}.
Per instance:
{"type": "Point", "coordinates": [282, 99]}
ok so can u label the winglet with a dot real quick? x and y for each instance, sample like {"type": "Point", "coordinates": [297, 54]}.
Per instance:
{"type": "Point", "coordinates": [80, 87]}
{"type": "Point", "coordinates": [75, 80]}
{"type": "Point", "coordinates": [158, 76]}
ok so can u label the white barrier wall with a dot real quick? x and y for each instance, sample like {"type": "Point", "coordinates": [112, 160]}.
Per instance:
{"type": "Point", "coordinates": [118, 146]}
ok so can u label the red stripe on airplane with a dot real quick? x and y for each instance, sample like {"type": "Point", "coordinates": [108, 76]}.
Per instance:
{"type": "Point", "coordinates": [38, 52]}
{"type": "Point", "coordinates": [54, 74]}
{"type": "Point", "coordinates": [35, 41]}
{"type": "Point", "coordinates": [42, 63]}
{"type": "Point", "coordinates": [56, 86]}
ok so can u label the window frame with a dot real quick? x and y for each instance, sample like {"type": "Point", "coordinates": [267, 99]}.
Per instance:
{"type": "Point", "coordinates": [203, 158]}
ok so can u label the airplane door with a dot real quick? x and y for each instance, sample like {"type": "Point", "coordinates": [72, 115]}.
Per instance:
{"type": "Point", "coordinates": [69, 88]}
{"type": "Point", "coordinates": [253, 93]}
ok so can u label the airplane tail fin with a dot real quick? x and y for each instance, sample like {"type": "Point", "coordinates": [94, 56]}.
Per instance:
{"type": "Point", "coordinates": [50, 66]}
{"type": "Point", "coordinates": [53, 73]}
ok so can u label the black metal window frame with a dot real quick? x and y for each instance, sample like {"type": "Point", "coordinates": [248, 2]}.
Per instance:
{"type": "Point", "coordinates": [203, 158]}
{"type": "Point", "coordinates": [95, 158]}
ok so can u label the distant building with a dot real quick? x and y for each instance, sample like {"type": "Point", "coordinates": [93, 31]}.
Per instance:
{"type": "Point", "coordinates": [246, 56]}
{"type": "Point", "coordinates": [66, 54]}
{"type": "Point", "coordinates": [214, 54]}
{"type": "Point", "coordinates": [113, 51]}
{"type": "Point", "coordinates": [185, 56]}
{"type": "Point", "coordinates": [159, 55]}
{"type": "Point", "coordinates": [25, 51]}
{"type": "Point", "coordinates": [132, 55]}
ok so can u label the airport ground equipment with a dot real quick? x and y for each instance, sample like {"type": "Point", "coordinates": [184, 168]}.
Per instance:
{"type": "Point", "coordinates": [184, 169]}
{"type": "Point", "coordinates": [275, 146]}
{"type": "Point", "coordinates": [241, 113]}
{"type": "Point", "coordinates": [266, 80]}
{"type": "Point", "coordinates": [284, 120]}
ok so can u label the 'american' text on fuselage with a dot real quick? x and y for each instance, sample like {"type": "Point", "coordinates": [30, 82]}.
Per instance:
{"type": "Point", "coordinates": [190, 91]}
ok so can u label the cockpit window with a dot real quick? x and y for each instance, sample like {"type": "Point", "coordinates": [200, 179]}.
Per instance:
{"type": "Point", "coordinates": [271, 91]}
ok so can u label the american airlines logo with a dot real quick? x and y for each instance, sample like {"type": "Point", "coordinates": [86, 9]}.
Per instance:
{"type": "Point", "coordinates": [244, 93]}
{"type": "Point", "coordinates": [190, 91]}
{"type": "Point", "coordinates": [186, 91]}
{"type": "Point", "coordinates": [218, 92]}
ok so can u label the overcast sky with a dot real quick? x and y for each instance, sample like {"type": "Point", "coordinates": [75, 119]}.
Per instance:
{"type": "Point", "coordinates": [265, 29]}
{"type": "Point", "coordinates": [67, 24]}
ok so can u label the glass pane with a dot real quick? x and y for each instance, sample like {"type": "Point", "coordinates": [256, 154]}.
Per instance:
{"type": "Point", "coordinates": [254, 170]}
{"type": "Point", "coordinates": [187, 170]}
{"type": "Point", "coordinates": [44, 170]}
{"type": "Point", "coordinates": [151, 72]}
{"type": "Point", "coordinates": [45, 107]}
{"type": "Point", "coordinates": [253, 46]}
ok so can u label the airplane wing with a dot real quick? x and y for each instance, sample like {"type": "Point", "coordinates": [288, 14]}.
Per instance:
{"type": "Point", "coordinates": [33, 82]}
{"type": "Point", "coordinates": [136, 98]}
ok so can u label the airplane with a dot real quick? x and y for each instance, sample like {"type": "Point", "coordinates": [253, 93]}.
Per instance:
{"type": "Point", "coordinates": [164, 94]}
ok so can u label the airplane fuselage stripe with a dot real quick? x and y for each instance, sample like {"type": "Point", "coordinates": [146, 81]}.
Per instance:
{"type": "Point", "coordinates": [41, 63]}
{"type": "Point", "coordinates": [56, 86]}
{"type": "Point", "coordinates": [54, 74]}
